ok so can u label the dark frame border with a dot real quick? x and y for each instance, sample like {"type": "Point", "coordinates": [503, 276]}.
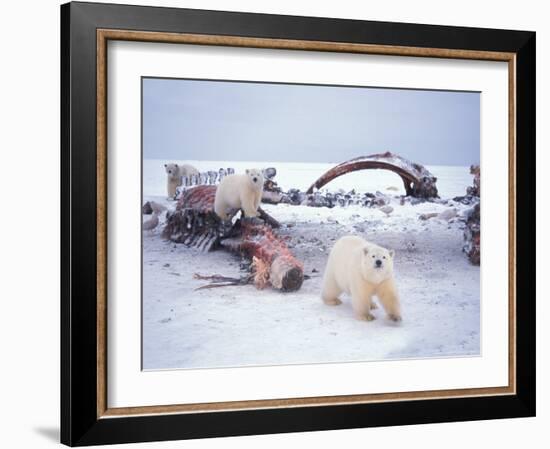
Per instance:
{"type": "Point", "coordinates": [80, 424]}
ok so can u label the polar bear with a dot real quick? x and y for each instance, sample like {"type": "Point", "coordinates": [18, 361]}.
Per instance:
{"type": "Point", "coordinates": [240, 192]}
{"type": "Point", "coordinates": [361, 269]}
{"type": "Point", "coordinates": [175, 174]}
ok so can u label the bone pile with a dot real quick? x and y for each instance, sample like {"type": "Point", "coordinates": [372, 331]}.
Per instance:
{"type": "Point", "coordinates": [207, 178]}
{"type": "Point", "coordinates": [194, 222]}
{"type": "Point", "coordinates": [273, 194]}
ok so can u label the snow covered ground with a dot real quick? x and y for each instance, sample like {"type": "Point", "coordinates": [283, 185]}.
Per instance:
{"type": "Point", "coordinates": [237, 326]}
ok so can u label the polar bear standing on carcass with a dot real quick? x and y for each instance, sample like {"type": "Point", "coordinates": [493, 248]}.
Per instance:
{"type": "Point", "coordinates": [240, 192]}
{"type": "Point", "coordinates": [361, 269]}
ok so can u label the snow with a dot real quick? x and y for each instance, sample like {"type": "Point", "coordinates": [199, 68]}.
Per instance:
{"type": "Point", "coordinates": [240, 325]}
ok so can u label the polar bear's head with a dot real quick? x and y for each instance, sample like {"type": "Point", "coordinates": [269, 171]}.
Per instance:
{"type": "Point", "coordinates": [172, 170]}
{"type": "Point", "coordinates": [376, 263]}
{"type": "Point", "coordinates": [255, 177]}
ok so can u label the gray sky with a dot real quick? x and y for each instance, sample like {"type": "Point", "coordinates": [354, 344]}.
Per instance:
{"type": "Point", "coordinates": [224, 120]}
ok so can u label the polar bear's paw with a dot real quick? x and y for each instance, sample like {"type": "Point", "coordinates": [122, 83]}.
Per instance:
{"type": "Point", "coordinates": [332, 301]}
{"type": "Point", "coordinates": [366, 317]}
{"type": "Point", "coordinates": [394, 317]}
{"type": "Point", "coordinates": [253, 220]}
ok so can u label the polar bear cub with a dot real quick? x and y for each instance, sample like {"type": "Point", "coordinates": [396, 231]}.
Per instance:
{"type": "Point", "coordinates": [240, 192]}
{"type": "Point", "coordinates": [361, 269]}
{"type": "Point", "coordinates": [175, 174]}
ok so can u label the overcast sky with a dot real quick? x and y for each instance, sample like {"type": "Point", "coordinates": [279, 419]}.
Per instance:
{"type": "Point", "coordinates": [224, 120]}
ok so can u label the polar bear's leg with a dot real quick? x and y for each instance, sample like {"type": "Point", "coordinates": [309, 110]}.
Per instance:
{"type": "Point", "coordinates": [247, 205]}
{"type": "Point", "coordinates": [361, 301]}
{"type": "Point", "coordinates": [257, 200]}
{"type": "Point", "coordinates": [330, 291]}
{"type": "Point", "coordinates": [219, 206]}
{"type": "Point", "coordinates": [220, 212]}
{"type": "Point", "coordinates": [171, 188]}
{"type": "Point", "coordinates": [387, 293]}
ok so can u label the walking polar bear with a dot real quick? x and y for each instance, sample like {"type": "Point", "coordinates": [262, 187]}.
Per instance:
{"type": "Point", "coordinates": [240, 192]}
{"type": "Point", "coordinates": [175, 174]}
{"type": "Point", "coordinates": [361, 269]}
